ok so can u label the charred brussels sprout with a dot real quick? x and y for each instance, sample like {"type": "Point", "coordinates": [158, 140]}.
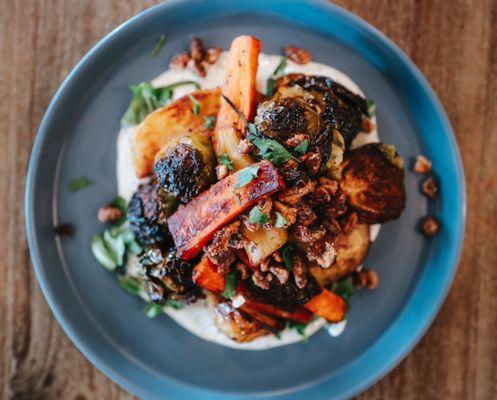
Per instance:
{"type": "Point", "coordinates": [185, 167]}
{"type": "Point", "coordinates": [373, 181]}
{"type": "Point", "coordinates": [167, 276]}
{"type": "Point", "coordinates": [148, 211]}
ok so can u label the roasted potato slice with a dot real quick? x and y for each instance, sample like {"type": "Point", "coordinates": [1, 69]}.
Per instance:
{"type": "Point", "coordinates": [373, 181]}
{"type": "Point", "coordinates": [232, 322]}
{"type": "Point", "coordinates": [170, 123]}
{"type": "Point", "coordinates": [352, 247]}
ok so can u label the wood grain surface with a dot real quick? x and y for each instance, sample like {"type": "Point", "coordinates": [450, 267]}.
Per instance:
{"type": "Point", "coordinates": [454, 43]}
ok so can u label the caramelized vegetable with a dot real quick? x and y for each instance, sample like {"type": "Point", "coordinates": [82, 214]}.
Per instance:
{"type": "Point", "coordinates": [373, 180]}
{"type": "Point", "coordinates": [240, 88]}
{"type": "Point", "coordinates": [169, 123]}
{"type": "Point", "coordinates": [263, 242]}
{"type": "Point", "coordinates": [193, 225]}
{"type": "Point", "coordinates": [208, 277]}
{"type": "Point", "coordinates": [299, 315]}
{"type": "Point", "coordinates": [327, 305]}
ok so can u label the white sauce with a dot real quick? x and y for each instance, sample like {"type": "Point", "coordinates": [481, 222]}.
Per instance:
{"type": "Point", "coordinates": [196, 317]}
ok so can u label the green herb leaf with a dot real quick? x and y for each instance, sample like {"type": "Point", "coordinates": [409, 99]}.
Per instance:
{"type": "Point", "coordinates": [278, 335]}
{"type": "Point", "coordinates": [146, 99]}
{"type": "Point", "coordinates": [120, 203]}
{"type": "Point", "coordinates": [271, 82]}
{"type": "Point", "coordinates": [130, 284]}
{"type": "Point", "coordinates": [210, 122]}
{"type": "Point", "coordinates": [345, 289]}
{"type": "Point", "coordinates": [281, 222]}
{"type": "Point", "coordinates": [287, 255]}
{"type": "Point", "coordinates": [115, 244]}
{"type": "Point", "coordinates": [371, 108]}
{"type": "Point", "coordinates": [196, 104]}
{"type": "Point", "coordinates": [300, 328]}
{"type": "Point", "coordinates": [160, 43]}
{"type": "Point", "coordinates": [224, 159]}
{"type": "Point", "coordinates": [152, 310]}
{"type": "Point", "coordinates": [231, 284]}
{"type": "Point", "coordinates": [103, 255]}
{"type": "Point", "coordinates": [177, 305]}
{"type": "Point", "coordinates": [79, 183]}
{"type": "Point", "coordinates": [256, 216]}
{"type": "Point", "coordinates": [279, 71]}
{"type": "Point", "coordinates": [271, 150]}
{"type": "Point", "coordinates": [246, 175]}
{"type": "Point", "coordinates": [302, 147]}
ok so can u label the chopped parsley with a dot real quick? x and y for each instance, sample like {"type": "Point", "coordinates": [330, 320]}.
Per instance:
{"type": "Point", "coordinates": [79, 183]}
{"type": "Point", "coordinates": [175, 304]}
{"type": "Point", "coordinates": [302, 147]}
{"type": "Point", "coordinates": [152, 310]}
{"type": "Point", "coordinates": [287, 255]}
{"type": "Point", "coordinates": [256, 216]}
{"type": "Point", "coordinates": [281, 222]}
{"type": "Point", "coordinates": [230, 287]}
{"type": "Point", "coordinates": [345, 289]}
{"type": "Point", "coordinates": [246, 175]}
{"type": "Point", "coordinates": [300, 328]}
{"type": "Point", "coordinates": [130, 284]}
{"type": "Point", "coordinates": [270, 149]}
{"type": "Point", "coordinates": [225, 160]}
{"type": "Point", "coordinates": [279, 71]}
{"type": "Point", "coordinates": [196, 104]}
{"type": "Point", "coordinates": [210, 122]}
{"type": "Point", "coordinates": [371, 108]}
{"type": "Point", "coordinates": [159, 45]}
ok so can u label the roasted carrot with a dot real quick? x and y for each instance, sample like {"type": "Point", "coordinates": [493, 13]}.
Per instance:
{"type": "Point", "coordinates": [240, 88]}
{"type": "Point", "coordinates": [207, 276]}
{"type": "Point", "coordinates": [300, 314]}
{"type": "Point", "coordinates": [327, 305]}
{"type": "Point", "coordinates": [193, 225]}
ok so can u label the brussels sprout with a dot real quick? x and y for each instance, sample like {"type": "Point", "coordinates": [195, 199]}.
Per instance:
{"type": "Point", "coordinates": [186, 166]}
{"type": "Point", "coordinates": [373, 181]}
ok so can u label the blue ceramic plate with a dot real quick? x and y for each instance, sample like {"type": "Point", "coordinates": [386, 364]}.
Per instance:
{"type": "Point", "coordinates": [155, 358]}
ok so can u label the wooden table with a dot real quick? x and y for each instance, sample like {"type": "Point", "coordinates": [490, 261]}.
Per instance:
{"type": "Point", "coordinates": [455, 45]}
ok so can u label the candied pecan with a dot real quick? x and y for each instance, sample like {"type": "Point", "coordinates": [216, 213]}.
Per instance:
{"type": "Point", "coordinates": [295, 140]}
{"type": "Point", "coordinates": [305, 215]}
{"type": "Point", "coordinates": [109, 214]}
{"type": "Point", "coordinates": [430, 188]}
{"type": "Point", "coordinates": [243, 269]}
{"type": "Point", "coordinates": [299, 272]}
{"type": "Point", "coordinates": [293, 194]}
{"type": "Point", "coordinates": [218, 249]}
{"type": "Point", "coordinates": [319, 197]}
{"type": "Point", "coordinates": [180, 60]}
{"type": "Point", "coordinates": [265, 205]}
{"type": "Point", "coordinates": [305, 234]}
{"type": "Point", "coordinates": [262, 280]}
{"type": "Point", "coordinates": [197, 49]}
{"type": "Point", "coordinates": [367, 279]}
{"type": "Point", "coordinates": [212, 54]}
{"type": "Point", "coordinates": [264, 265]}
{"type": "Point", "coordinates": [323, 252]}
{"type": "Point", "coordinates": [237, 241]}
{"type": "Point", "coordinates": [277, 257]}
{"type": "Point", "coordinates": [221, 171]}
{"type": "Point", "coordinates": [332, 227]}
{"type": "Point", "coordinates": [245, 146]}
{"type": "Point", "coordinates": [312, 161]}
{"type": "Point", "coordinates": [298, 55]}
{"type": "Point", "coordinates": [292, 174]}
{"type": "Point", "coordinates": [367, 125]}
{"type": "Point", "coordinates": [199, 69]}
{"type": "Point", "coordinates": [422, 165]}
{"type": "Point", "coordinates": [329, 185]}
{"type": "Point", "coordinates": [430, 226]}
{"type": "Point", "coordinates": [281, 273]}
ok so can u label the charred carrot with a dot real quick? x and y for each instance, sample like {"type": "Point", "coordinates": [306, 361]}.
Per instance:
{"type": "Point", "coordinates": [240, 88]}
{"type": "Point", "coordinates": [193, 225]}
{"type": "Point", "coordinates": [327, 305]}
{"type": "Point", "coordinates": [206, 276]}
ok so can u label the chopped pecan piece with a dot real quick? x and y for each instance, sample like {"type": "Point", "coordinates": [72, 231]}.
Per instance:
{"type": "Point", "coordinates": [367, 125]}
{"type": "Point", "coordinates": [299, 272]}
{"type": "Point", "coordinates": [197, 49]}
{"type": "Point", "coordinates": [430, 226]}
{"type": "Point", "coordinates": [245, 146]}
{"type": "Point", "coordinates": [221, 171]}
{"type": "Point", "coordinates": [277, 257]}
{"type": "Point", "coordinates": [305, 215]}
{"type": "Point", "coordinates": [264, 265]}
{"type": "Point", "coordinates": [422, 165]}
{"type": "Point", "coordinates": [292, 174]}
{"type": "Point", "coordinates": [430, 188]}
{"type": "Point", "coordinates": [319, 197]}
{"type": "Point", "coordinates": [367, 279]}
{"type": "Point", "coordinates": [305, 234]}
{"type": "Point", "coordinates": [180, 60]}
{"type": "Point", "coordinates": [323, 252]}
{"type": "Point", "coordinates": [109, 214]}
{"type": "Point", "coordinates": [212, 54]}
{"type": "Point", "coordinates": [262, 280]}
{"type": "Point", "coordinates": [298, 54]}
{"type": "Point", "coordinates": [243, 269]}
{"type": "Point", "coordinates": [329, 185]}
{"type": "Point", "coordinates": [219, 251]}
{"type": "Point", "coordinates": [281, 273]}
{"type": "Point", "coordinates": [312, 161]}
{"type": "Point", "coordinates": [295, 140]}
{"type": "Point", "coordinates": [293, 194]}
{"type": "Point", "coordinates": [289, 213]}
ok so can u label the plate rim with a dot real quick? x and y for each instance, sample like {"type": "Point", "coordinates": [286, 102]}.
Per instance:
{"type": "Point", "coordinates": [364, 381]}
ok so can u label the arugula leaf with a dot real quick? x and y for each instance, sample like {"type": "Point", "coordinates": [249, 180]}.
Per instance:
{"type": "Point", "coordinates": [256, 216]}
{"type": "Point", "coordinates": [152, 310]}
{"type": "Point", "coordinates": [279, 71]}
{"type": "Point", "coordinates": [302, 147]}
{"type": "Point", "coordinates": [160, 43]}
{"type": "Point", "coordinates": [371, 108]}
{"type": "Point", "coordinates": [345, 289]}
{"type": "Point", "coordinates": [196, 104]}
{"type": "Point", "coordinates": [246, 175]}
{"type": "Point", "coordinates": [280, 220]}
{"type": "Point", "coordinates": [287, 255]}
{"type": "Point", "coordinates": [224, 159]}
{"type": "Point", "coordinates": [104, 255]}
{"type": "Point", "coordinates": [210, 122]}
{"type": "Point", "coordinates": [271, 150]}
{"type": "Point", "coordinates": [146, 99]}
{"type": "Point", "coordinates": [231, 284]}
{"type": "Point", "coordinates": [79, 183]}
{"type": "Point", "coordinates": [130, 284]}
{"type": "Point", "coordinates": [177, 305]}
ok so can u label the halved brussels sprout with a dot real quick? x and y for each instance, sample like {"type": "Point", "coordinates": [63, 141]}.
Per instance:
{"type": "Point", "coordinates": [373, 181]}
